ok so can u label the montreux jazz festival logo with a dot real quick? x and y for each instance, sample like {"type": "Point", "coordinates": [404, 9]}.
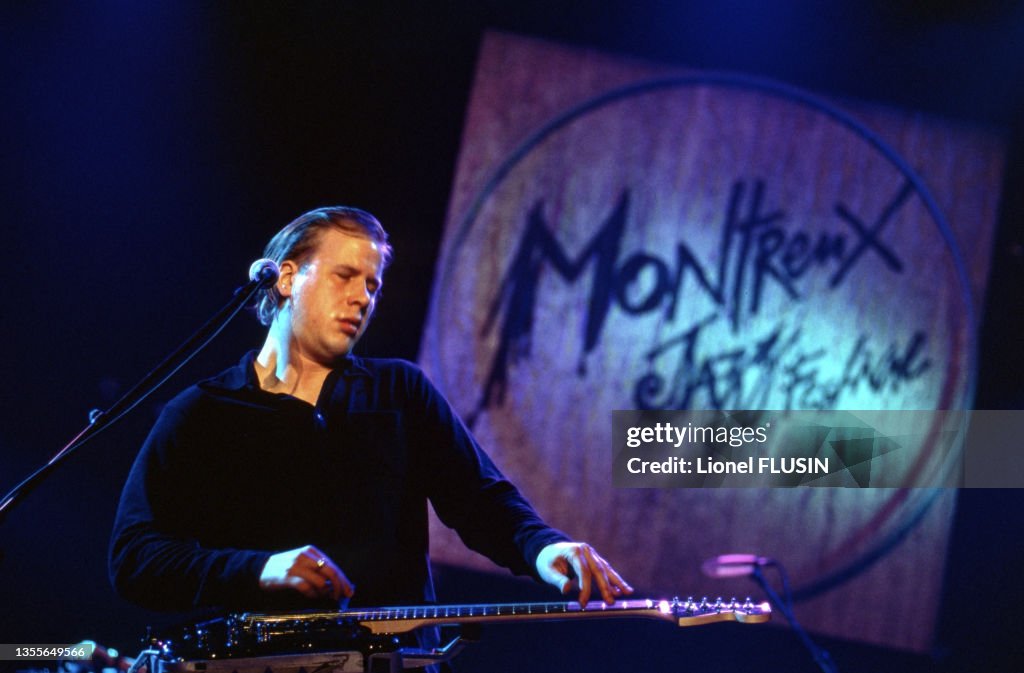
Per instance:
{"type": "Point", "coordinates": [739, 351]}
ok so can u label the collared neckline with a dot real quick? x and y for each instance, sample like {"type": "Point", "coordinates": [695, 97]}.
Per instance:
{"type": "Point", "coordinates": [243, 375]}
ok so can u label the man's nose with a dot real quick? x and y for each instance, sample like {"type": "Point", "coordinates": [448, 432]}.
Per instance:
{"type": "Point", "coordinates": [360, 297]}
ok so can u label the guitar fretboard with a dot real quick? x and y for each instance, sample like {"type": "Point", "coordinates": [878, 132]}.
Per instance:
{"type": "Point", "coordinates": [682, 612]}
{"type": "Point", "coordinates": [493, 610]}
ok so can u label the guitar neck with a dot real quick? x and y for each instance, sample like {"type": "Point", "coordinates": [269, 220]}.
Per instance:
{"type": "Point", "coordinates": [403, 619]}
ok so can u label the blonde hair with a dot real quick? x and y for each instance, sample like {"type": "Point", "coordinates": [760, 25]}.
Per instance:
{"type": "Point", "coordinates": [298, 241]}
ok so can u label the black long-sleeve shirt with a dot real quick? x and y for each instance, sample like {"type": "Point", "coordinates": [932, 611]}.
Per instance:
{"type": "Point", "coordinates": [231, 474]}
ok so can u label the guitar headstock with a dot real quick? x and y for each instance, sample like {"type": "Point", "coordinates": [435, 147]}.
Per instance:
{"type": "Point", "coordinates": [691, 612]}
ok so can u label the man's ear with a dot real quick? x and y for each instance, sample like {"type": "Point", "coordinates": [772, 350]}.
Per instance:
{"type": "Point", "coordinates": [287, 269]}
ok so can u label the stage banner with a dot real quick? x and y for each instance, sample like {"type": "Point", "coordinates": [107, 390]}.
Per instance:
{"type": "Point", "coordinates": [627, 236]}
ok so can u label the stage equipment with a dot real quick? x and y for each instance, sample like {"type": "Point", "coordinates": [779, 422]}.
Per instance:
{"type": "Point", "coordinates": [740, 565]}
{"type": "Point", "coordinates": [368, 640]}
{"type": "Point", "coordinates": [262, 274]}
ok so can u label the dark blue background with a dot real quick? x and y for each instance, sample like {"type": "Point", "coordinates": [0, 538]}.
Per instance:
{"type": "Point", "coordinates": [149, 150]}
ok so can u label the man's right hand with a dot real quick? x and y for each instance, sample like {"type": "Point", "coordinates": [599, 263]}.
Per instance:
{"type": "Point", "coordinates": [308, 571]}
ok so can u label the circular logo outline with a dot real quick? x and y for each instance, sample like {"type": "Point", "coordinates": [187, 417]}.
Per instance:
{"type": "Point", "coordinates": [890, 541]}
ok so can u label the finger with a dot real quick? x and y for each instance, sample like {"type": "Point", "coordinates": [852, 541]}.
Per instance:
{"type": "Point", "coordinates": [335, 583]}
{"type": "Point", "coordinates": [321, 584]}
{"type": "Point", "coordinates": [561, 568]}
{"type": "Point", "coordinates": [555, 572]}
{"type": "Point", "coordinates": [582, 574]}
{"type": "Point", "coordinates": [620, 585]}
{"type": "Point", "coordinates": [304, 587]}
{"type": "Point", "coordinates": [340, 583]}
{"type": "Point", "coordinates": [313, 556]}
{"type": "Point", "coordinates": [597, 567]}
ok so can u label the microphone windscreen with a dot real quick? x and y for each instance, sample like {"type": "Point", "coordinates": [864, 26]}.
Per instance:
{"type": "Point", "coordinates": [265, 271]}
{"type": "Point", "coordinates": [731, 565]}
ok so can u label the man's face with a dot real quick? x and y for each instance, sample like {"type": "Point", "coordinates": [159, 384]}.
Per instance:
{"type": "Point", "coordinates": [332, 295]}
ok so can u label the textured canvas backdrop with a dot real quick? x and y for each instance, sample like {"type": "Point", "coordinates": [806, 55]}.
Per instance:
{"type": "Point", "coordinates": [624, 235]}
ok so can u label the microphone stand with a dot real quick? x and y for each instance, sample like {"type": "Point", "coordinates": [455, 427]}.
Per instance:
{"type": "Point", "coordinates": [785, 606]}
{"type": "Point", "coordinates": [262, 274]}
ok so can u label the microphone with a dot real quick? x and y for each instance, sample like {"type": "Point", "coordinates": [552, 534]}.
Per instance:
{"type": "Point", "coordinates": [734, 565]}
{"type": "Point", "coordinates": [264, 271]}
{"type": "Point", "coordinates": [743, 565]}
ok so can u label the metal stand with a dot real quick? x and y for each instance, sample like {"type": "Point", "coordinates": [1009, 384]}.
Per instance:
{"type": "Point", "coordinates": [101, 420]}
{"type": "Point", "coordinates": [411, 657]}
{"type": "Point", "coordinates": [148, 659]}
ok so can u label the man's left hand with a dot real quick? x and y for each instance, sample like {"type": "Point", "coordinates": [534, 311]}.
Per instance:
{"type": "Point", "coordinates": [556, 561]}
